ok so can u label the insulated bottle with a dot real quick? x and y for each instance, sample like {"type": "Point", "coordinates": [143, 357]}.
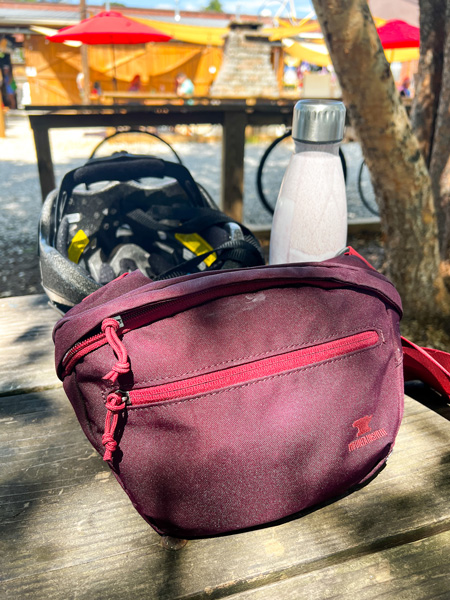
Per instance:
{"type": "Point", "coordinates": [310, 218]}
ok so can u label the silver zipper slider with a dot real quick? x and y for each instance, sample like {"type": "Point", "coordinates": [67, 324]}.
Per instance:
{"type": "Point", "coordinates": [119, 320]}
{"type": "Point", "coordinates": [125, 396]}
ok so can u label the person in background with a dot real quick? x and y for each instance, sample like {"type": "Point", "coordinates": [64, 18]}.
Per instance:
{"type": "Point", "coordinates": [80, 84]}
{"type": "Point", "coordinates": [10, 87]}
{"type": "Point", "coordinates": [96, 89]}
{"type": "Point", "coordinates": [135, 85]}
{"type": "Point", "coordinates": [404, 89]}
{"type": "Point", "coordinates": [184, 86]}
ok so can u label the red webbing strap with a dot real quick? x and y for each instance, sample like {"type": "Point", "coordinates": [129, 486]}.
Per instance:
{"type": "Point", "coordinates": [428, 365]}
{"type": "Point", "coordinates": [425, 364]}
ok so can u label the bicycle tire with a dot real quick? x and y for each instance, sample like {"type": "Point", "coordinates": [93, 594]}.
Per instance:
{"type": "Point", "coordinates": [364, 200]}
{"type": "Point", "coordinates": [259, 173]}
{"type": "Point", "coordinates": [262, 197]}
{"type": "Point", "coordinates": [121, 132]}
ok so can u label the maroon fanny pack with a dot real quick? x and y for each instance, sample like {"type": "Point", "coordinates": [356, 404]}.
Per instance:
{"type": "Point", "coordinates": [228, 399]}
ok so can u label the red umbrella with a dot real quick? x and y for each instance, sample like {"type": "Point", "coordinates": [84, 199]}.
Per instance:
{"type": "Point", "coordinates": [398, 34]}
{"type": "Point", "coordinates": [109, 27]}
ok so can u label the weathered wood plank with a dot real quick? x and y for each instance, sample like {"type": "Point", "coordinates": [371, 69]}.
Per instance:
{"type": "Point", "coordinates": [26, 346]}
{"type": "Point", "coordinates": [416, 571]}
{"type": "Point", "coordinates": [44, 161]}
{"type": "Point", "coordinates": [233, 143]}
{"type": "Point", "coordinates": [68, 530]}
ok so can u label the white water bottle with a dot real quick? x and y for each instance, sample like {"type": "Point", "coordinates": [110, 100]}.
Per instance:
{"type": "Point", "coordinates": [310, 218]}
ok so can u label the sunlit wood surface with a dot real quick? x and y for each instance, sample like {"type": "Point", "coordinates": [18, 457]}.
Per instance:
{"type": "Point", "coordinates": [69, 531]}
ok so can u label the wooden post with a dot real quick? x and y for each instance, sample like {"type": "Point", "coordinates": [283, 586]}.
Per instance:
{"type": "Point", "coordinates": [85, 60]}
{"type": "Point", "coordinates": [2, 121]}
{"type": "Point", "coordinates": [233, 143]}
{"type": "Point", "coordinates": [44, 161]}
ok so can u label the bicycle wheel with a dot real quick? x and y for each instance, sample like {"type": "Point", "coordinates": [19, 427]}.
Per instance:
{"type": "Point", "coordinates": [365, 190]}
{"type": "Point", "coordinates": [272, 167]}
{"type": "Point", "coordinates": [135, 141]}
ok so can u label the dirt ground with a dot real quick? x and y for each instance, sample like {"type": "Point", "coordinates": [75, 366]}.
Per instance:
{"type": "Point", "coordinates": [20, 198]}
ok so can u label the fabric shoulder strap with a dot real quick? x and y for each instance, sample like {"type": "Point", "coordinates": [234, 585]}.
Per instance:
{"type": "Point", "coordinates": [425, 364]}
{"type": "Point", "coordinates": [428, 365]}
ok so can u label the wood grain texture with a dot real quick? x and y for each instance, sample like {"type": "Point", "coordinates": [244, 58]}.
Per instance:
{"type": "Point", "coordinates": [26, 346]}
{"type": "Point", "coordinates": [232, 195]}
{"type": "Point", "coordinates": [69, 531]}
{"type": "Point", "coordinates": [416, 571]}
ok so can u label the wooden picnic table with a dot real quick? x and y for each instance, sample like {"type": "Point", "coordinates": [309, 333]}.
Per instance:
{"type": "Point", "coordinates": [232, 114]}
{"type": "Point", "coordinates": [69, 531]}
{"type": "Point", "coordinates": [115, 97]}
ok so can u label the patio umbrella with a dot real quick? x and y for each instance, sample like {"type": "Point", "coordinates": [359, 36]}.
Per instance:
{"type": "Point", "coordinates": [407, 10]}
{"type": "Point", "coordinates": [398, 34]}
{"type": "Point", "coordinates": [109, 27]}
{"type": "Point", "coordinates": [400, 41]}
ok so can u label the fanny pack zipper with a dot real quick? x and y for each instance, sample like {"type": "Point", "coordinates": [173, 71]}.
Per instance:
{"type": "Point", "coordinates": [264, 367]}
{"type": "Point", "coordinates": [229, 377]}
{"type": "Point", "coordinates": [143, 315]}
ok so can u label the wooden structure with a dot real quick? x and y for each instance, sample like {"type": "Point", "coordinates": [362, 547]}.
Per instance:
{"type": "Point", "coordinates": [247, 69]}
{"type": "Point", "coordinates": [2, 120]}
{"type": "Point", "coordinates": [56, 67]}
{"type": "Point", "coordinates": [118, 97]}
{"type": "Point", "coordinates": [233, 115]}
{"type": "Point", "coordinates": [69, 531]}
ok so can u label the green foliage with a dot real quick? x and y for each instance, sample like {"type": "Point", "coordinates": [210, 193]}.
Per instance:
{"type": "Point", "coordinates": [214, 6]}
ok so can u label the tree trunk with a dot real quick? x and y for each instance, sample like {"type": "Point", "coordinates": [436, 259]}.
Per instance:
{"type": "Point", "coordinates": [440, 153]}
{"type": "Point", "coordinates": [428, 84]}
{"type": "Point", "coordinates": [392, 153]}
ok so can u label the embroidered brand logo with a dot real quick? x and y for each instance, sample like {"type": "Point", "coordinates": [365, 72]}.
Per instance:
{"type": "Point", "coordinates": [365, 435]}
{"type": "Point", "coordinates": [362, 425]}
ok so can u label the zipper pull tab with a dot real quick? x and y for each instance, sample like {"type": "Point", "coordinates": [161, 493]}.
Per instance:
{"type": "Point", "coordinates": [122, 366]}
{"type": "Point", "coordinates": [114, 404]}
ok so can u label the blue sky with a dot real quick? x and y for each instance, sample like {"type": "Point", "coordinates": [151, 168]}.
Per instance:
{"type": "Point", "coordinates": [250, 7]}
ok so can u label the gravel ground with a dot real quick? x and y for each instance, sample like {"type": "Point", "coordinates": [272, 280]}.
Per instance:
{"type": "Point", "coordinates": [20, 200]}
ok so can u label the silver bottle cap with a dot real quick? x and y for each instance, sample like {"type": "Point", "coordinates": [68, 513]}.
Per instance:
{"type": "Point", "coordinates": [318, 121]}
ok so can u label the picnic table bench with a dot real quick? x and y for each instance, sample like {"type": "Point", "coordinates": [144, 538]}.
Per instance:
{"type": "Point", "coordinates": [69, 531]}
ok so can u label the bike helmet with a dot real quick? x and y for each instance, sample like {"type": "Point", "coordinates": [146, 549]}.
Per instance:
{"type": "Point", "coordinates": [91, 234]}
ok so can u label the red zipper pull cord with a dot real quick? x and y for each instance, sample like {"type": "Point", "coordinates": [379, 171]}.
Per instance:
{"type": "Point", "coordinates": [350, 251]}
{"type": "Point", "coordinates": [109, 328]}
{"type": "Point", "coordinates": [114, 405]}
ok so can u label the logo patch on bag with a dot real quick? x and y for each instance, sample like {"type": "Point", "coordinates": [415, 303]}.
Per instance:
{"type": "Point", "coordinates": [365, 435]}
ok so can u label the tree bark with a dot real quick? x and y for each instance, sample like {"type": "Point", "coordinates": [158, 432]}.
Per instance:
{"type": "Point", "coordinates": [428, 84]}
{"type": "Point", "coordinates": [398, 170]}
{"type": "Point", "coordinates": [440, 153]}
